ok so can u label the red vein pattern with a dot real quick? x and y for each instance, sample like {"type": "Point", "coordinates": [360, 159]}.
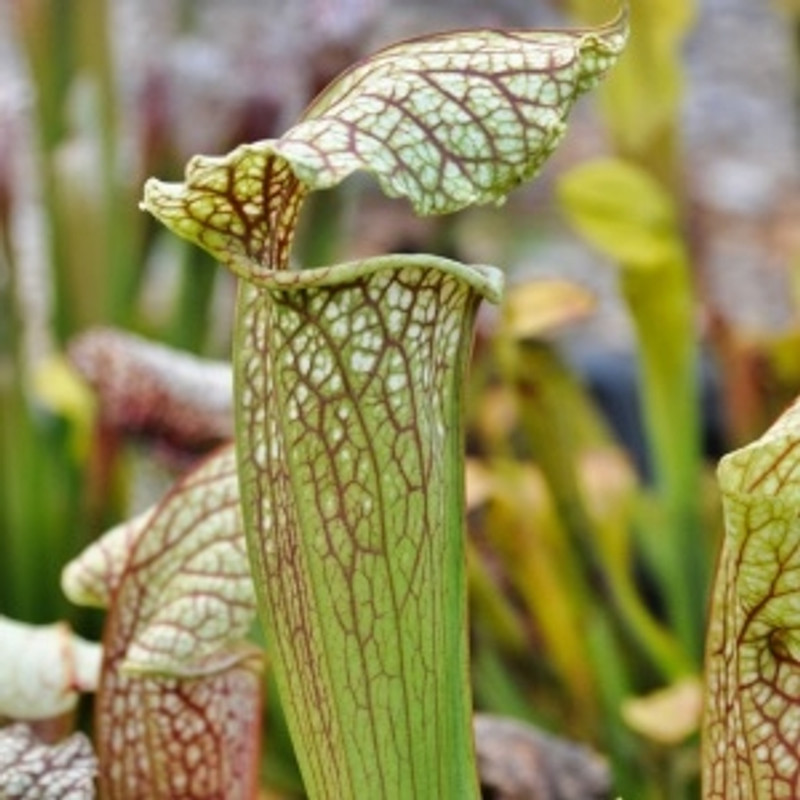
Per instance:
{"type": "Point", "coordinates": [32, 770]}
{"type": "Point", "coordinates": [241, 207]}
{"type": "Point", "coordinates": [178, 706]}
{"type": "Point", "coordinates": [453, 119]}
{"type": "Point", "coordinates": [352, 476]}
{"type": "Point", "coordinates": [751, 743]}
{"type": "Point", "coordinates": [445, 121]}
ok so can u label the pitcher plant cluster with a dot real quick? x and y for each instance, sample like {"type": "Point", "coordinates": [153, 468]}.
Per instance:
{"type": "Point", "coordinates": [337, 515]}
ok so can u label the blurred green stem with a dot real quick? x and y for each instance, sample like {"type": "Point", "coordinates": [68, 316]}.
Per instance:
{"type": "Point", "coordinates": [189, 322]}
{"type": "Point", "coordinates": [39, 492]}
{"type": "Point", "coordinates": [92, 218]}
{"type": "Point", "coordinates": [614, 687]}
{"type": "Point", "coordinates": [660, 303]}
{"type": "Point", "coordinates": [560, 424]}
{"type": "Point", "coordinates": [319, 240]}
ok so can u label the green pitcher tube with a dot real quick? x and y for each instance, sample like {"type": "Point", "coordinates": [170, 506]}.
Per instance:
{"type": "Point", "coordinates": [351, 462]}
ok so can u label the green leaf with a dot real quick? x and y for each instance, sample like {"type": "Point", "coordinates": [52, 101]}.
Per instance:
{"type": "Point", "coordinates": [621, 210]}
{"type": "Point", "coordinates": [178, 706]}
{"type": "Point", "coordinates": [445, 121]}
{"type": "Point", "coordinates": [527, 538]}
{"type": "Point", "coordinates": [592, 488]}
{"type": "Point", "coordinates": [753, 664]}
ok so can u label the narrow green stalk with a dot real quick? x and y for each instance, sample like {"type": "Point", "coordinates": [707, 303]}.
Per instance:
{"type": "Point", "coordinates": [45, 28]}
{"type": "Point", "coordinates": [320, 228]}
{"type": "Point", "coordinates": [92, 223]}
{"type": "Point", "coordinates": [33, 519]}
{"type": "Point", "coordinates": [661, 306]}
{"type": "Point", "coordinates": [39, 495]}
{"type": "Point", "coordinates": [121, 225]}
{"type": "Point", "coordinates": [614, 684]}
{"type": "Point", "coordinates": [188, 326]}
{"type": "Point", "coordinates": [629, 215]}
{"type": "Point", "coordinates": [641, 101]}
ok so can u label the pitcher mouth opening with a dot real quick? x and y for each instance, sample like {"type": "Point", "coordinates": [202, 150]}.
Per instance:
{"type": "Point", "coordinates": [487, 281]}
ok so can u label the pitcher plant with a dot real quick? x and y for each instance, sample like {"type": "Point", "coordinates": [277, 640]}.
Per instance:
{"type": "Point", "coordinates": [349, 390]}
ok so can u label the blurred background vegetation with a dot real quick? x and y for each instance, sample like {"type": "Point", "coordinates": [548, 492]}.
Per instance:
{"type": "Point", "coordinates": [652, 321]}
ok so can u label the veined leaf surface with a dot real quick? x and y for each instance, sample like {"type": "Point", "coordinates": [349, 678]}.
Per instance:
{"type": "Point", "coordinates": [451, 120]}
{"type": "Point", "coordinates": [445, 121]}
{"type": "Point", "coordinates": [33, 770]}
{"type": "Point", "coordinates": [752, 716]}
{"type": "Point", "coordinates": [178, 708]}
{"type": "Point", "coordinates": [351, 460]}
{"type": "Point", "coordinates": [94, 577]}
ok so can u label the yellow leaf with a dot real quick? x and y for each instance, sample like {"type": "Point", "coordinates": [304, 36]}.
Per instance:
{"type": "Point", "coordinates": [527, 535]}
{"type": "Point", "coordinates": [496, 416]}
{"type": "Point", "coordinates": [623, 211]}
{"type": "Point", "coordinates": [479, 483]}
{"type": "Point", "coordinates": [667, 716]}
{"type": "Point", "coordinates": [608, 483]}
{"type": "Point", "coordinates": [61, 390]}
{"type": "Point", "coordinates": [537, 307]}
